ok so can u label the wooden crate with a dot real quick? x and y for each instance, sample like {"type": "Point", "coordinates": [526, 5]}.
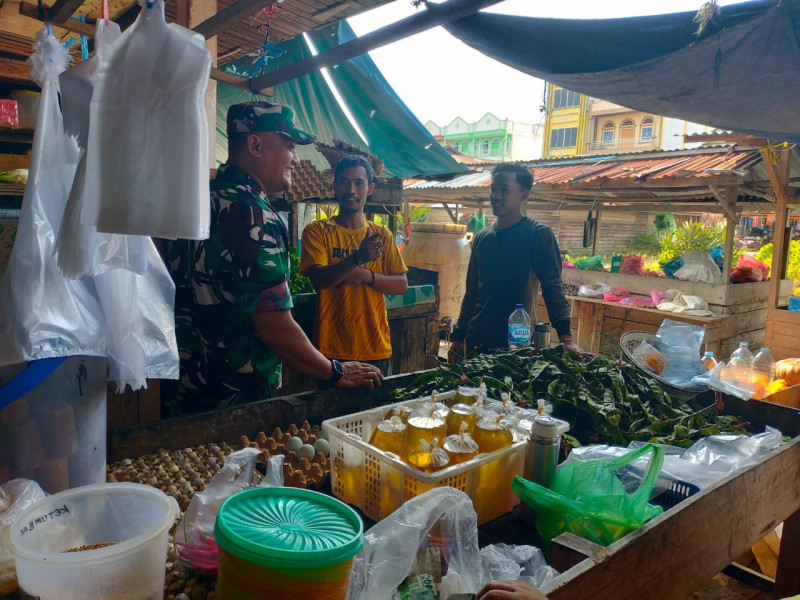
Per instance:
{"type": "Point", "coordinates": [789, 397]}
{"type": "Point", "coordinates": [782, 335]}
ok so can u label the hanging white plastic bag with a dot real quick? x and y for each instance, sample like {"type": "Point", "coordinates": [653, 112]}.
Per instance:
{"type": "Point", "coordinates": [502, 562]}
{"type": "Point", "coordinates": [41, 314]}
{"type": "Point", "coordinates": [44, 315]}
{"type": "Point", "coordinates": [79, 249]}
{"type": "Point", "coordinates": [149, 174]}
{"type": "Point", "coordinates": [391, 546]}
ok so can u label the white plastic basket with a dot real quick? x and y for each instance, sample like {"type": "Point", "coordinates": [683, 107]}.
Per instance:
{"type": "Point", "coordinates": [378, 482]}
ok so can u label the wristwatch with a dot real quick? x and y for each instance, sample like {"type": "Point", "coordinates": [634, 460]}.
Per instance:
{"type": "Point", "coordinates": [337, 373]}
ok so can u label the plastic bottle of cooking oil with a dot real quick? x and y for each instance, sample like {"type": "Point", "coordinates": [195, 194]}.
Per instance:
{"type": "Point", "coordinates": [461, 414]}
{"type": "Point", "coordinates": [709, 360]}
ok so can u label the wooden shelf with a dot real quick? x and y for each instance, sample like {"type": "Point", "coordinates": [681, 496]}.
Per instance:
{"type": "Point", "coordinates": [16, 135]}
{"type": "Point", "coordinates": [12, 189]}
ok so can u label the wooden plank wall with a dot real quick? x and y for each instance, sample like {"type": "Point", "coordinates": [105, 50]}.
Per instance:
{"type": "Point", "coordinates": [783, 333]}
{"type": "Point", "coordinates": [615, 229]}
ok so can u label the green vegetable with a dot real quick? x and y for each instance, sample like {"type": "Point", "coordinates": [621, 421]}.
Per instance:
{"type": "Point", "coordinates": [298, 284]}
{"type": "Point", "coordinates": [604, 401]}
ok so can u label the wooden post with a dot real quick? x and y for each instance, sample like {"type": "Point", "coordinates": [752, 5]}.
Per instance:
{"type": "Point", "coordinates": [780, 185]}
{"type": "Point", "coordinates": [406, 216]}
{"type": "Point", "coordinates": [199, 11]}
{"type": "Point", "coordinates": [731, 194]}
{"type": "Point", "coordinates": [596, 240]}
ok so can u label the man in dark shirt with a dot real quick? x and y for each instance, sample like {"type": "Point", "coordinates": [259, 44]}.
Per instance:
{"type": "Point", "coordinates": [509, 260]}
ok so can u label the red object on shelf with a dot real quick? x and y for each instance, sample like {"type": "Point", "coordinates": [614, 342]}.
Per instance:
{"type": "Point", "coordinates": [8, 112]}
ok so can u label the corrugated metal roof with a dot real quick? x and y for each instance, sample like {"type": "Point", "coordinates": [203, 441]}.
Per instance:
{"type": "Point", "coordinates": [640, 166]}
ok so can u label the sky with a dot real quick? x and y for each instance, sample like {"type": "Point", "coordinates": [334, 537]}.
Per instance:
{"type": "Point", "coordinates": [439, 77]}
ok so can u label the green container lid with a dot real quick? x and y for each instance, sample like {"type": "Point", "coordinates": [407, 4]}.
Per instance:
{"type": "Point", "coordinates": [288, 528]}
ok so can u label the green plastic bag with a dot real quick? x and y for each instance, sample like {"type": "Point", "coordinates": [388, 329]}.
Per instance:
{"type": "Point", "coordinates": [592, 263]}
{"type": "Point", "coordinates": [588, 499]}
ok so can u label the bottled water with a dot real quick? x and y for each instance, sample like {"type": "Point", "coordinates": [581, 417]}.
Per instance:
{"type": "Point", "coordinates": [740, 363]}
{"type": "Point", "coordinates": [709, 360]}
{"type": "Point", "coordinates": [744, 351]}
{"type": "Point", "coordinates": [762, 372]}
{"type": "Point", "coordinates": [519, 328]}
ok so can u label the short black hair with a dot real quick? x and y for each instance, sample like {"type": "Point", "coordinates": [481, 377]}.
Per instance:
{"type": "Point", "coordinates": [237, 141]}
{"type": "Point", "coordinates": [354, 160]}
{"type": "Point", "coordinates": [522, 174]}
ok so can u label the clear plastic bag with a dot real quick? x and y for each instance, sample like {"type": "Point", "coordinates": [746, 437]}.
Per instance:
{"type": "Point", "coordinates": [391, 546]}
{"type": "Point", "coordinates": [502, 562]}
{"type": "Point", "coordinates": [194, 537]}
{"type": "Point", "coordinates": [723, 379]}
{"type": "Point", "coordinates": [16, 496]}
{"type": "Point", "coordinates": [680, 343]}
{"type": "Point", "coordinates": [594, 290]}
{"type": "Point", "coordinates": [649, 358]}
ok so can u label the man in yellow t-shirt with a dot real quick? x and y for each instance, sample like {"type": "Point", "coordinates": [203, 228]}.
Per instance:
{"type": "Point", "coordinates": [352, 264]}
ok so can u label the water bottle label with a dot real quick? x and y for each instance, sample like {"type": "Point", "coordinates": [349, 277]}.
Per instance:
{"type": "Point", "coordinates": [519, 335]}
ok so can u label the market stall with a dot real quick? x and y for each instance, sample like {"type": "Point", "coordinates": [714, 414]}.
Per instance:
{"type": "Point", "coordinates": [727, 180]}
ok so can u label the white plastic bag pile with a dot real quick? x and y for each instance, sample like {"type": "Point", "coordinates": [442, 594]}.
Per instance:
{"type": "Point", "coordinates": [137, 167]}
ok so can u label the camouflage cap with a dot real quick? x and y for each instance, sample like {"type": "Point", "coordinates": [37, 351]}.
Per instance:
{"type": "Point", "coordinates": [255, 117]}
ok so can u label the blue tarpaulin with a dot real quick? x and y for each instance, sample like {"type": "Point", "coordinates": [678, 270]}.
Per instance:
{"type": "Point", "coordinates": [742, 73]}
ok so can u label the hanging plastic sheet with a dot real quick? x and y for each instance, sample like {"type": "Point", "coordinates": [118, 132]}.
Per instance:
{"type": "Point", "coordinates": [119, 314]}
{"type": "Point", "coordinates": [79, 249]}
{"type": "Point", "coordinates": [149, 173]}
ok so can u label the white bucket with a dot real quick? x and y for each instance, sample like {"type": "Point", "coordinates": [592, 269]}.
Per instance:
{"type": "Point", "coordinates": [137, 518]}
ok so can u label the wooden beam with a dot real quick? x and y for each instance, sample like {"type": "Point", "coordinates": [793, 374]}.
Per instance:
{"type": "Point", "coordinates": [15, 72]}
{"type": "Point", "coordinates": [324, 14]}
{"type": "Point", "coordinates": [63, 10]}
{"type": "Point", "coordinates": [74, 25]}
{"type": "Point", "coordinates": [432, 16]}
{"type": "Point", "coordinates": [228, 16]}
{"type": "Point", "coordinates": [787, 579]}
{"type": "Point", "coordinates": [774, 177]}
{"type": "Point", "coordinates": [723, 200]}
{"type": "Point", "coordinates": [450, 212]}
{"type": "Point", "coordinates": [727, 200]}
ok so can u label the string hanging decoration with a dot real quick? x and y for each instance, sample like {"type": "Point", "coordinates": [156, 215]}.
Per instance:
{"type": "Point", "coordinates": [267, 50]}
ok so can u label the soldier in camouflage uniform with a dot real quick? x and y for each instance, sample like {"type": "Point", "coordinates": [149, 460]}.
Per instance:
{"type": "Point", "coordinates": [232, 300]}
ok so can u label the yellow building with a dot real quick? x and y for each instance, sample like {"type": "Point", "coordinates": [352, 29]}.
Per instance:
{"type": "Point", "coordinates": [565, 122]}
{"type": "Point", "coordinates": [577, 125]}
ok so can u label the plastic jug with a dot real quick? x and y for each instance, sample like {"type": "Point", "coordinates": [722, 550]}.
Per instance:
{"type": "Point", "coordinates": [744, 351]}
{"type": "Point", "coordinates": [762, 372]}
{"type": "Point", "coordinates": [709, 360]}
{"type": "Point", "coordinates": [519, 328]}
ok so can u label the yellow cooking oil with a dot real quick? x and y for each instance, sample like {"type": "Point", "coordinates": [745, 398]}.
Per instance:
{"type": "Point", "coordinates": [460, 447]}
{"type": "Point", "coordinates": [466, 395]}
{"type": "Point", "coordinates": [492, 433]}
{"type": "Point", "coordinates": [427, 456]}
{"type": "Point", "coordinates": [423, 424]}
{"type": "Point", "coordinates": [402, 411]}
{"type": "Point", "coordinates": [461, 413]}
{"type": "Point", "coordinates": [388, 435]}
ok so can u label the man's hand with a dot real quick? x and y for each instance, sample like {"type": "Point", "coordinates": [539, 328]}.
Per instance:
{"type": "Point", "coordinates": [371, 246]}
{"type": "Point", "coordinates": [356, 276]}
{"type": "Point", "coordinates": [455, 353]}
{"type": "Point", "coordinates": [509, 590]}
{"type": "Point", "coordinates": [573, 347]}
{"type": "Point", "coordinates": [358, 374]}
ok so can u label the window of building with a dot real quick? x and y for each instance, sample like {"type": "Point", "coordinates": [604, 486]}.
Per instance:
{"type": "Point", "coordinates": [608, 133]}
{"type": "Point", "coordinates": [626, 133]}
{"type": "Point", "coordinates": [495, 146]}
{"type": "Point", "coordinates": [485, 147]}
{"type": "Point", "coordinates": [565, 98]}
{"type": "Point", "coordinates": [563, 138]}
{"type": "Point", "coordinates": [647, 129]}
{"type": "Point", "coordinates": [465, 147]}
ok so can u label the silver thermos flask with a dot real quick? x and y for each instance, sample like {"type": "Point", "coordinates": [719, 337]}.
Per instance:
{"type": "Point", "coordinates": [541, 335]}
{"type": "Point", "coordinates": [541, 458]}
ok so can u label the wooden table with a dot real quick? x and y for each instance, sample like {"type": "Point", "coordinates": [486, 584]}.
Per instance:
{"type": "Point", "coordinates": [668, 558]}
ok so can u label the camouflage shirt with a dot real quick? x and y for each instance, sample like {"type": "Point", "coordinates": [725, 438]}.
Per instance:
{"type": "Point", "coordinates": [241, 269]}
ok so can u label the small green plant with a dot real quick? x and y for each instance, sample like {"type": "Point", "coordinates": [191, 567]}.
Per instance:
{"type": "Point", "coordinates": [419, 213]}
{"type": "Point", "coordinates": [644, 244]}
{"type": "Point", "coordinates": [793, 264]}
{"type": "Point", "coordinates": [694, 235]}
{"type": "Point", "coordinates": [298, 284]}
